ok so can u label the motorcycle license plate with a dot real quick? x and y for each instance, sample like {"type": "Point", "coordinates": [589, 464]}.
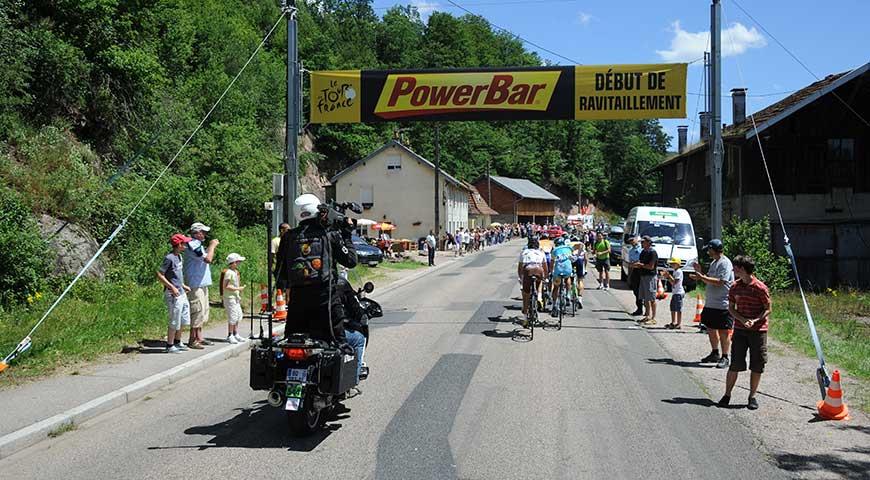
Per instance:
{"type": "Point", "coordinates": [294, 397]}
{"type": "Point", "coordinates": [297, 375]}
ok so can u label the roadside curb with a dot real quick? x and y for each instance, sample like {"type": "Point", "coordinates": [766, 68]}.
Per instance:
{"type": "Point", "coordinates": [33, 434]}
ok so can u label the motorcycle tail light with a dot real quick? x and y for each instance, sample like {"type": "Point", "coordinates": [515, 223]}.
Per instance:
{"type": "Point", "coordinates": [296, 353]}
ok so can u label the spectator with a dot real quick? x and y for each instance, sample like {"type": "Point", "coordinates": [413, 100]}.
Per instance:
{"type": "Point", "coordinates": [171, 276]}
{"type": "Point", "coordinates": [715, 316]}
{"type": "Point", "coordinates": [677, 294]}
{"type": "Point", "coordinates": [282, 229]}
{"type": "Point", "coordinates": [634, 274]}
{"type": "Point", "coordinates": [457, 243]}
{"type": "Point", "coordinates": [466, 241]}
{"type": "Point", "coordinates": [430, 244]}
{"type": "Point", "coordinates": [197, 270]}
{"type": "Point", "coordinates": [602, 261]}
{"type": "Point", "coordinates": [233, 297]}
{"type": "Point", "coordinates": [648, 280]}
{"type": "Point", "coordinates": [749, 305]}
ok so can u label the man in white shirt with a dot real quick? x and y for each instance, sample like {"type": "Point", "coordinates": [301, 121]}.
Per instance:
{"type": "Point", "coordinates": [532, 263]}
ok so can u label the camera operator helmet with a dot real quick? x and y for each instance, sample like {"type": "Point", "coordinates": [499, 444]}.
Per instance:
{"type": "Point", "coordinates": [306, 207]}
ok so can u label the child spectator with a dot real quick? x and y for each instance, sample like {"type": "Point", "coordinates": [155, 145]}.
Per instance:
{"type": "Point", "coordinates": [677, 293]}
{"type": "Point", "coordinates": [171, 276]}
{"type": "Point", "coordinates": [233, 297]}
{"type": "Point", "coordinates": [749, 306]}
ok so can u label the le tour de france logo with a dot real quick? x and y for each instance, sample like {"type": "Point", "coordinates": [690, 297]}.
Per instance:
{"type": "Point", "coordinates": [336, 96]}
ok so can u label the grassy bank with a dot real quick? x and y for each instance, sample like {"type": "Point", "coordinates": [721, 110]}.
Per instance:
{"type": "Point", "coordinates": [843, 323]}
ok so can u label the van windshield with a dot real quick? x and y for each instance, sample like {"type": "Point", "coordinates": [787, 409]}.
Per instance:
{"type": "Point", "coordinates": [667, 233]}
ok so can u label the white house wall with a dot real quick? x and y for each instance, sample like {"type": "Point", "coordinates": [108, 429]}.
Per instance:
{"type": "Point", "coordinates": [403, 197]}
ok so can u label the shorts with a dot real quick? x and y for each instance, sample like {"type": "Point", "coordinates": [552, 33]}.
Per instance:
{"type": "Point", "coordinates": [528, 271]}
{"type": "Point", "coordinates": [199, 308]}
{"type": "Point", "coordinates": [179, 310]}
{"type": "Point", "coordinates": [647, 289]}
{"type": "Point", "coordinates": [677, 302]}
{"type": "Point", "coordinates": [233, 307]}
{"type": "Point", "coordinates": [756, 343]}
{"type": "Point", "coordinates": [557, 279]}
{"type": "Point", "coordinates": [602, 265]}
{"type": "Point", "coordinates": [716, 319]}
{"type": "Point", "coordinates": [580, 268]}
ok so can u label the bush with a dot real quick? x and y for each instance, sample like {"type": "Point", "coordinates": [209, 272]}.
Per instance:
{"type": "Point", "coordinates": [24, 256]}
{"type": "Point", "coordinates": [752, 237]}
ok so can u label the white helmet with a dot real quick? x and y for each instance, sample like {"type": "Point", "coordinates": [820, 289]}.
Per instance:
{"type": "Point", "coordinates": [306, 207]}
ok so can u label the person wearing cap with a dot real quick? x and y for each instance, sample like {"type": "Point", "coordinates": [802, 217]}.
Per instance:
{"type": "Point", "coordinates": [197, 261]}
{"type": "Point", "coordinates": [634, 274]}
{"type": "Point", "coordinates": [718, 279]}
{"type": "Point", "coordinates": [677, 293]}
{"type": "Point", "coordinates": [282, 229]}
{"type": "Point", "coordinates": [171, 276]}
{"type": "Point", "coordinates": [648, 280]}
{"type": "Point", "coordinates": [233, 297]}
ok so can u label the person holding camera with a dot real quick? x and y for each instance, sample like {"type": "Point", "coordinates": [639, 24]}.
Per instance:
{"type": "Point", "coordinates": [307, 264]}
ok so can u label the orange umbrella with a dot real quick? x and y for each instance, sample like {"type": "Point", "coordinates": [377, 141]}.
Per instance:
{"type": "Point", "coordinates": [384, 226]}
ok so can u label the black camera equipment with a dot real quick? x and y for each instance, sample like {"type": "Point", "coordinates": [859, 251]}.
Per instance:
{"type": "Point", "coordinates": [334, 215]}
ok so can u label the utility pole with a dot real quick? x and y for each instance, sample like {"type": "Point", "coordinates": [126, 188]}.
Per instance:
{"type": "Point", "coordinates": [716, 119]}
{"type": "Point", "coordinates": [294, 100]}
{"type": "Point", "coordinates": [437, 178]}
{"type": "Point", "coordinates": [579, 195]}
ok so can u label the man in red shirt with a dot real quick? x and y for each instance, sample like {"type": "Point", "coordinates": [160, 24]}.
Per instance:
{"type": "Point", "coordinates": [749, 306]}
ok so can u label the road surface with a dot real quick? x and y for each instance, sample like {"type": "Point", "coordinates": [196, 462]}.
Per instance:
{"type": "Point", "coordinates": [453, 394]}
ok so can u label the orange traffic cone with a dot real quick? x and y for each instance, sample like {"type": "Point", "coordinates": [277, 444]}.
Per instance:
{"type": "Point", "coordinates": [280, 307]}
{"type": "Point", "coordinates": [264, 299]}
{"type": "Point", "coordinates": [3, 365]}
{"type": "Point", "coordinates": [698, 309]}
{"type": "Point", "coordinates": [833, 407]}
{"type": "Point", "coordinates": [660, 291]}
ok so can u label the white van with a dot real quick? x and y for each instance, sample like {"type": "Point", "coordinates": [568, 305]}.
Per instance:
{"type": "Point", "coordinates": [672, 234]}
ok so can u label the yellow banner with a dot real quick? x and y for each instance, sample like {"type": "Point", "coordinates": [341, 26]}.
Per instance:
{"type": "Point", "coordinates": [335, 96]}
{"type": "Point", "coordinates": [412, 95]}
{"type": "Point", "coordinates": [616, 92]}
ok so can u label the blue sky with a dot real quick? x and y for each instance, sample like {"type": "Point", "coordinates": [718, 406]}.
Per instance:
{"type": "Point", "coordinates": [828, 37]}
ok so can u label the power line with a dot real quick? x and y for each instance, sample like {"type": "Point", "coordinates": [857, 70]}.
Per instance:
{"type": "Point", "coordinates": [484, 4]}
{"type": "Point", "coordinates": [514, 34]}
{"type": "Point", "coordinates": [802, 64]}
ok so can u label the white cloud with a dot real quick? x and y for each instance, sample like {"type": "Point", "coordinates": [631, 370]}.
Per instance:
{"type": "Point", "coordinates": [690, 46]}
{"type": "Point", "coordinates": [584, 18]}
{"type": "Point", "coordinates": [425, 8]}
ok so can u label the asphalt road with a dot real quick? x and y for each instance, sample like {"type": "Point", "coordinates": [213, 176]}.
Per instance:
{"type": "Point", "coordinates": [453, 394]}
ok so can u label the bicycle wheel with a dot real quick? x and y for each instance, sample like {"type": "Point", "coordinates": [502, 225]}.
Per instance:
{"type": "Point", "coordinates": [573, 299]}
{"type": "Point", "coordinates": [561, 300]}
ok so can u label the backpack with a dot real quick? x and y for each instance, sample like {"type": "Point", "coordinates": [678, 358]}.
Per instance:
{"type": "Point", "coordinates": [308, 259]}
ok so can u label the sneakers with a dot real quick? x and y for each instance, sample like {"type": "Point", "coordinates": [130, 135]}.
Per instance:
{"type": "Point", "coordinates": [752, 404]}
{"type": "Point", "coordinates": [232, 339]}
{"type": "Point", "coordinates": [239, 339]}
{"type": "Point", "coordinates": [181, 346]}
{"type": "Point", "coordinates": [724, 401]}
{"type": "Point", "coordinates": [353, 392]}
{"type": "Point", "coordinates": [580, 302]}
{"type": "Point", "coordinates": [606, 288]}
{"type": "Point", "coordinates": [723, 362]}
{"type": "Point", "coordinates": [173, 349]}
{"type": "Point", "coordinates": [196, 346]}
{"type": "Point", "coordinates": [712, 358]}
{"type": "Point", "coordinates": [637, 312]}
{"type": "Point", "coordinates": [363, 372]}
{"type": "Point", "coordinates": [649, 322]}
{"type": "Point", "coordinates": [599, 287]}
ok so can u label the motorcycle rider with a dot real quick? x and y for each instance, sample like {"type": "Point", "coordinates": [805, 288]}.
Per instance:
{"type": "Point", "coordinates": [307, 263]}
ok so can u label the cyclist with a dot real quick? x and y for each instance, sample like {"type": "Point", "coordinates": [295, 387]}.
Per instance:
{"type": "Point", "coordinates": [560, 265]}
{"type": "Point", "coordinates": [532, 262]}
{"type": "Point", "coordinates": [547, 247]}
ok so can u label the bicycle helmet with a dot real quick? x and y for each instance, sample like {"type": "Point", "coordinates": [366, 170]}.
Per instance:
{"type": "Point", "coordinates": [533, 243]}
{"type": "Point", "coordinates": [559, 242]}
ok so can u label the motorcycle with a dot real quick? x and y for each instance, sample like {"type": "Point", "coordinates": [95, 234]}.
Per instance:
{"type": "Point", "coordinates": [309, 377]}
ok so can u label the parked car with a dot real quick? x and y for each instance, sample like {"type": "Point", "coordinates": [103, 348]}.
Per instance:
{"type": "Point", "coordinates": [615, 239]}
{"type": "Point", "coordinates": [555, 231]}
{"type": "Point", "coordinates": [366, 253]}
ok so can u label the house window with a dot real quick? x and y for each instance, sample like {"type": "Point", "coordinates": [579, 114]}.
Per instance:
{"type": "Point", "coordinates": [680, 173]}
{"type": "Point", "coordinates": [367, 196]}
{"type": "Point", "coordinates": [394, 162]}
{"type": "Point", "coordinates": [841, 161]}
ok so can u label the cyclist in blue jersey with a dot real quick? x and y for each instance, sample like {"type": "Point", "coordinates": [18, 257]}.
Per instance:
{"type": "Point", "coordinates": [562, 268]}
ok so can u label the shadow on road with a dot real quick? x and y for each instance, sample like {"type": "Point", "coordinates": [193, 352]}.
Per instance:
{"type": "Point", "coordinates": [676, 363]}
{"type": "Point", "coordinates": [701, 402]}
{"type": "Point", "coordinates": [828, 463]}
{"type": "Point", "coordinates": [260, 426]}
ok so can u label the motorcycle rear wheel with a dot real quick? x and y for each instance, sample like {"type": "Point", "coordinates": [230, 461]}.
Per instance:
{"type": "Point", "coordinates": [306, 421]}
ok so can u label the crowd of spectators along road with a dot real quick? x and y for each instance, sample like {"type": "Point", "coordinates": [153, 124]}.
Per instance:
{"type": "Point", "coordinates": [467, 240]}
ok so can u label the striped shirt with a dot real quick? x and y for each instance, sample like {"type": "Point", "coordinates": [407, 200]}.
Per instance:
{"type": "Point", "coordinates": [751, 301]}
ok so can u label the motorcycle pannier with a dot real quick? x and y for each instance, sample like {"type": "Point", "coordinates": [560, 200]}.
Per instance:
{"type": "Point", "coordinates": [337, 373]}
{"type": "Point", "coordinates": [261, 370]}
